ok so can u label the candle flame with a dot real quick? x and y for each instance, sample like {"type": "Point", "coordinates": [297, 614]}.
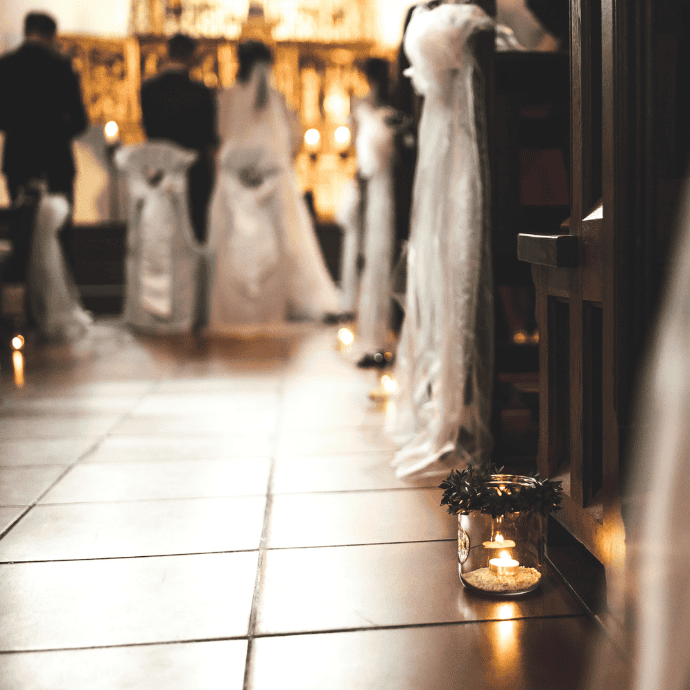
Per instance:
{"type": "Point", "coordinates": [504, 555]}
{"type": "Point", "coordinates": [389, 384]}
{"type": "Point", "coordinates": [18, 342]}
{"type": "Point", "coordinates": [499, 538]}
{"type": "Point", "coordinates": [346, 336]}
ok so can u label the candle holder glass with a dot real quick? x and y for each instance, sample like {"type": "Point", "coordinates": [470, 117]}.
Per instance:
{"type": "Point", "coordinates": [503, 555]}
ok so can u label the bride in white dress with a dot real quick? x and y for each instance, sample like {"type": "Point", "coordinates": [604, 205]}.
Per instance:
{"type": "Point", "coordinates": [268, 264]}
{"type": "Point", "coordinates": [444, 359]}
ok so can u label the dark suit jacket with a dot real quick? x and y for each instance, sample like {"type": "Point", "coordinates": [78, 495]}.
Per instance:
{"type": "Point", "coordinates": [41, 111]}
{"type": "Point", "coordinates": [176, 108]}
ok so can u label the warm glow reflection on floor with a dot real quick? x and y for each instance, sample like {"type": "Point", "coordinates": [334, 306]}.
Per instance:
{"type": "Point", "coordinates": [505, 642]}
{"type": "Point", "coordinates": [18, 363]}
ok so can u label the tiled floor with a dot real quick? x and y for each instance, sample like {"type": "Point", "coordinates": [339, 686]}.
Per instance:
{"type": "Point", "coordinates": [188, 515]}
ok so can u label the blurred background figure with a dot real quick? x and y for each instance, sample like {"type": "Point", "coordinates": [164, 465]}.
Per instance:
{"type": "Point", "coordinates": [181, 110]}
{"type": "Point", "coordinates": [375, 122]}
{"type": "Point", "coordinates": [41, 112]}
{"type": "Point", "coordinates": [268, 263]}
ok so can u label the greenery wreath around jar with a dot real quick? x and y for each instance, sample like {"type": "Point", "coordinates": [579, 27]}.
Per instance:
{"type": "Point", "coordinates": [501, 527]}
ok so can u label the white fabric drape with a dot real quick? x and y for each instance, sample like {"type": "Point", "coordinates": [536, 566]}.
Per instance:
{"type": "Point", "coordinates": [164, 259]}
{"type": "Point", "coordinates": [258, 219]}
{"type": "Point", "coordinates": [375, 150]}
{"type": "Point", "coordinates": [350, 220]}
{"type": "Point", "coordinates": [658, 526]}
{"type": "Point", "coordinates": [53, 296]}
{"type": "Point", "coordinates": [445, 356]}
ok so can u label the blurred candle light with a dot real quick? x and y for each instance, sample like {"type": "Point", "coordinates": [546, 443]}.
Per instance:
{"type": "Point", "coordinates": [111, 132]}
{"type": "Point", "coordinates": [312, 137]}
{"type": "Point", "coordinates": [342, 135]}
{"type": "Point", "coordinates": [18, 342]}
{"type": "Point", "coordinates": [18, 363]}
{"type": "Point", "coordinates": [389, 383]}
{"type": "Point", "coordinates": [346, 336]}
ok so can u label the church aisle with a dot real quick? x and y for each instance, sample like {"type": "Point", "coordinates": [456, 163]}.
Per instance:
{"type": "Point", "coordinates": [199, 515]}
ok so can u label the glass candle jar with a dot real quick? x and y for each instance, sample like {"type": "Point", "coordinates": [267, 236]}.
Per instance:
{"type": "Point", "coordinates": [502, 556]}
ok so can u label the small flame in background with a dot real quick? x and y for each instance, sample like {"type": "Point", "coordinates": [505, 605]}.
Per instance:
{"type": "Point", "coordinates": [346, 336]}
{"type": "Point", "coordinates": [111, 131]}
{"type": "Point", "coordinates": [18, 342]}
{"type": "Point", "coordinates": [312, 137]}
{"type": "Point", "coordinates": [389, 384]}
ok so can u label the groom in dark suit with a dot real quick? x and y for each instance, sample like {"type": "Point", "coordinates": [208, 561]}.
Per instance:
{"type": "Point", "coordinates": [41, 111]}
{"type": "Point", "coordinates": [181, 110]}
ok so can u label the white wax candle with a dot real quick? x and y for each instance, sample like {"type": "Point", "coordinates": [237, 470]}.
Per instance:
{"type": "Point", "coordinates": [504, 566]}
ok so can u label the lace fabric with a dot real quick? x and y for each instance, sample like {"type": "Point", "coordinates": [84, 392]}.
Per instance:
{"type": "Point", "coordinates": [444, 360]}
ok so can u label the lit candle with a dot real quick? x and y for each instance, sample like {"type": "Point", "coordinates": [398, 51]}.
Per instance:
{"type": "Point", "coordinates": [504, 565]}
{"type": "Point", "coordinates": [499, 543]}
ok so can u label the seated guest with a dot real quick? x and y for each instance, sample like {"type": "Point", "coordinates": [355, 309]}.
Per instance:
{"type": "Point", "coordinates": [176, 108]}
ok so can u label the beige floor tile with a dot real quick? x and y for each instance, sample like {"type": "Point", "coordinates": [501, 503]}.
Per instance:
{"type": "Point", "coordinates": [125, 601]}
{"type": "Point", "coordinates": [201, 424]}
{"type": "Point", "coordinates": [21, 486]}
{"type": "Point", "coordinates": [315, 415]}
{"type": "Point", "coordinates": [380, 585]}
{"type": "Point", "coordinates": [545, 654]}
{"type": "Point", "coordinates": [136, 528]}
{"type": "Point", "coordinates": [29, 427]}
{"type": "Point", "coordinates": [132, 481]}
{"type": "Point", "coordinates": [362, 517]}
{"type": "Point", "coordinates": [226, 403]}
{"type": "Point", "coordinates": [152, 447]}
{"type": "Point", "coordinates": [356, 472]}
{"type": "Point", "coordinates": [217, 665]}
{"type": "Point", "coordinates": [70, 405]}
{"type": "Point", "coordinates": [329, 441]}
{"type": "Point", "coordinates": [237, 383]}
{"type": "Point", "coordinates": [61, 451]}
{"type": "Point", "coordinates": [51, 386]}
{"type": "Point", "coordinates": [8, 514]}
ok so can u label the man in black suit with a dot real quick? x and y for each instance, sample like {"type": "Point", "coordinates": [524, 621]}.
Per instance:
{"type": "Point", "coordinates": [176, 108]}
{"type": "Point", "coordinates": [41, 111]}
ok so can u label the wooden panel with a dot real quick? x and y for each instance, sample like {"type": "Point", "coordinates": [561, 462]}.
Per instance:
{"type": "Point", "coordinates": [548, 250]}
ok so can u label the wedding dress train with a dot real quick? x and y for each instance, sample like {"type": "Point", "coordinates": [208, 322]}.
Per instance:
{"type": "Point", "coordinates": [268, 264]}
{"type": "Point", "coordinates": [445, 356]}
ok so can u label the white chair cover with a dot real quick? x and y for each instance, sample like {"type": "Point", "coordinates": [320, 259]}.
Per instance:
{"type": "Point", "coordinates": [164, 259]}
{"type": "Point", "coordinates": [53, 296]}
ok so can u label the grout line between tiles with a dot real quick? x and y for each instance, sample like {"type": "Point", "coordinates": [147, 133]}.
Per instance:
{"type": "Point", "coordinates": [298, 633]}
{"type": "Point", "coordinates": [122, 646]}
{"type": "Point", "coordinates": [96, 442]}
{"type": "Point", "coordinates": [262, 545]}
{"type": "Point", "coordinates": [403, 626]}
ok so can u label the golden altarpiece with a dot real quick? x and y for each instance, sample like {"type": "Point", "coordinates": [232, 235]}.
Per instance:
{"type": "Point", "coordinates": [319, 47]}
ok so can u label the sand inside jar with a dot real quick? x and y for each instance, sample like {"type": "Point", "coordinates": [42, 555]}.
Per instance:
{"type": "Point", "coordinates": [484, 579]}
